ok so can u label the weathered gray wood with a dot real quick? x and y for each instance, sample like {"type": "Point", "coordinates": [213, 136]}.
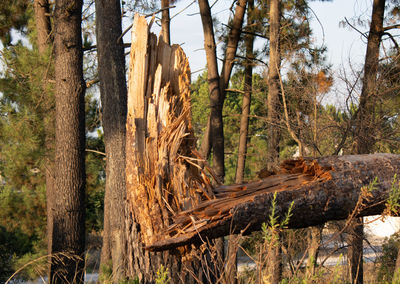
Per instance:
{"type": "Point", "coordinates": [323, 189]}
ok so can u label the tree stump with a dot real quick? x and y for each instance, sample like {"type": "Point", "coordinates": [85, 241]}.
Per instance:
{"type": "Point", "coordinates": [162, 174]}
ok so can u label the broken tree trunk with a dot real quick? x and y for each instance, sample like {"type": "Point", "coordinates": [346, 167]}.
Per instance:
{"type": "Point", "coordinates": [323, 189]}
{"type": "Point", "coordinates": [161, 174]}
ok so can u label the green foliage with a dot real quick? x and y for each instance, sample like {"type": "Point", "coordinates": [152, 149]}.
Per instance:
{"type": "Point", "coordinates": [162, 275]}
{"type": "Point", "coordinates": [372, 185]}
{"type": "Point", "coordinates": [25, 111]}
{"type": "Point", "coordinates": [336, 271]}
{"type": "Point", "coordinates": [231, 115]}
{"type": "Point", "coordinates": [106, 272]}
{"type": "Point", "coordinates": [130, 281]}
{"type": "Point", "coordinates": [388, 258]}
{"type": "Point", "coordinates": [13, 244]}
{"type": "Point", "coordinates": [106, 275]}
{"type": "Point", "coordinates": [31, 264]}
{"type": "Point", "coordinates": [274, 223]}
{"type": "Point", "coordinates": [393, 202]}
{"type": "Point", "coordinates": [24, 210]}
{"type": "Point", "coordinates": [14, 14]}
{"type": "Point", "coordinates": [95, 176]}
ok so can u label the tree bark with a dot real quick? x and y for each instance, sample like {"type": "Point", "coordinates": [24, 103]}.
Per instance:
{"type": "Point", "coordinates": [355, 238]}
{"type": "Point", "coordinates": [315, 235]}
{"type": "Point", "coordinates": [69, 212]}
{"type": "Point", "coordinates": [214, 136]}
{"type": "Point", "coordinates": [323, 189]}
{"type": "Point", "coordinates": [111, 66]}
{"type": "Point", "coordinates": [364, 139]}
{"type": "Point", "coordinates": [165, 22]}
{"type": "Point", "coordinates": [216, 97]}
{"type": "Point", "coordinates": [365, 125]}
{"type": "Point", "coordinates": [275, 259]}
{"type": "Point", "coordinates": [273, 86]}
{"type": "Point", "coordinates": [248, 86]}
{"type": "Point", "coordinates": [233, 243]}
{"type": "Point", "coordinates": [232, 44]}
{"type": "Point", "coordinates": [44, 40]}
{"type": "Point", "coordinates": [43, 25]}
{"type": "Point", "coordinates": [217, 84]}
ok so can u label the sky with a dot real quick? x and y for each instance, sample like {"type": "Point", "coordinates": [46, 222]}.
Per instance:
{"type": "Point", "coordinates": [342, 42]}
{"type": "Point", "coordinates": [345, 46]}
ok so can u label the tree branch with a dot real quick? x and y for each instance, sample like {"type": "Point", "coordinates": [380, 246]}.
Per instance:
{"type": "Point", "coordinates": [146, 16]}
{"type": "Point", "coordinates": [360, 32]}
{"type": "Point", "coordinates": [397, 26]}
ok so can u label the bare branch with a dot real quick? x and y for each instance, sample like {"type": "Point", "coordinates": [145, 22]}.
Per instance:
{"type": "Point", "coordinates": [361, 33]}
{"type": "Point", "coordinates": [397, 26]}
{"type": "Point", "coordinates": [393, 40]}
{"type": "Point", "coordinates": [95, 151]}
{"type": "Point", "coordinates": [148, 15]}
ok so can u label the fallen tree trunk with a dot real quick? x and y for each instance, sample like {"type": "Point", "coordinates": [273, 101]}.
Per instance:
{"type": "Point", "coordinates": [323, 189]}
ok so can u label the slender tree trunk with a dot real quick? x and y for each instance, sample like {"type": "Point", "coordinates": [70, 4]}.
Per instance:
{"type": "Point", "coordinates": [69, 212]}
{"type": "Point", "coordinates": [214, 136]}
{"type": "Point", "coordinates": [248, 86]}
{"type": "Point", "coordinates": [205, 147]}
{"type": "Point", "coordinates": [274, 262]}
{"type": "Point", "coordinates": [273, 85]}
{"type": "Point", "coordinates": [43, 25]}
{"type": "Point", "coordinates": [232, 44]}
{"type": "Point", "coordinates": [233, 243]}
{"type": "Point", "coordinates": [43, 30]}
{"type": "Point", "coordinates": [165, 22]}
{"type": "Point", "coordinates": [216, 98]}
{"type": "Point", "coordinates": [355, 238]}
{"type": "Point", "coordinates": [364, 139]}
{"type": "Point", "coordinates": [214, 132]}
{"type": "Point", "coordinates": [113, 93]}
{"type": "Point", "coordinates": [315, 235]}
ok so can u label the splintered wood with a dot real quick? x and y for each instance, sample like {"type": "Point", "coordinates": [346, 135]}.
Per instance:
{"type": "Point", "coordinates": [323, 189]}
{"type": "Point", "coordinates": [162, 175]}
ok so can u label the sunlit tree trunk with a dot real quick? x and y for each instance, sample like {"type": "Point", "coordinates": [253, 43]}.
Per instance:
{"type": "Point", "coordinates": [315, 235]}
{"type": "Point", "coordinates": [44, 41]}
{"type": "Point", "coordinates": [217, 84]}
{"type": "Point", "coordinates": [216, 99]}
{"type": "Point", "coordinates": [231, 266]}
{"type": "Point", "coordinates": [275, 261]}
{"type": "Point", "coordinates": [273, 85]}
{"type": "Point", "coordinates": [111, 61]}
{"type": "Point", "coordinates": [165, 22]}
{"type": "Point", "coordinates": [69, 211]}
{"type": "Point", "coordinates": [364, 138]}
